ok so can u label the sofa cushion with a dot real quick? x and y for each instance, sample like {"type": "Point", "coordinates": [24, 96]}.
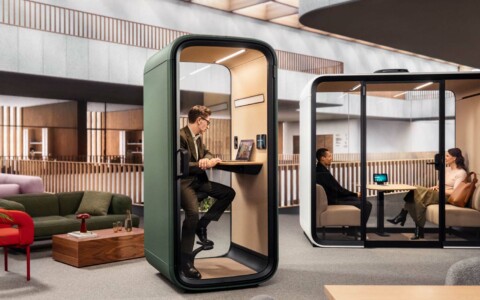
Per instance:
{"type": "Point", "coordinates": [37, 205]}
{"type": "Point", "coordinates": [8, 189]}
{"type": "Point", "coordinates": [28, 184]}
{"type": "Point", "coordinates": [95, 203]}
{"type": "Point", "coordinates": [48, 226]}
{"type": "Point", "coordinates": [11, 205]}
{"type": "Point", "coordinates": [454, 216]}
{"type": "Point", "coordinates": [69, 202]}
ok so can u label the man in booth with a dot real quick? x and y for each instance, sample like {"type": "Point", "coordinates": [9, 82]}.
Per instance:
{"type": "Point", "coordinates": [336, 194]}
{"type": "Point", "coordinates": [197, 181]}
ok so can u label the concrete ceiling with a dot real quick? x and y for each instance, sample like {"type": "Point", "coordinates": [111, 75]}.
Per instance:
{"type": "Point", "coordinates": [443, 29]}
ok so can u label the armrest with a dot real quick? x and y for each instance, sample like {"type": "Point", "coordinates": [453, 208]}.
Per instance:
{"type": "Point", "coordinates": [24, 223]}
{"type": "Point", "coordinates": [120, 204]}
{"type": "Point", "coordinates": [11, 205]}
{"type": "Point", "coordinates": [322, 201]}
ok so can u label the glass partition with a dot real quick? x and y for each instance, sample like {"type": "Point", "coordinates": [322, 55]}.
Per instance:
{"type": "Point", "coordinates": [337, 140]}
{"type": "Point", "coordinates": [402, 137]}
{"type": "Point", "coordinates": [205, 84]}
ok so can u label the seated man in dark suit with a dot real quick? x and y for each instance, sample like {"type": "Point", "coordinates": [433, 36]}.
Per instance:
{"type": "Point", "coordinates": [336, 194]}
{"type": "Point", "coordinates": [197, 181]}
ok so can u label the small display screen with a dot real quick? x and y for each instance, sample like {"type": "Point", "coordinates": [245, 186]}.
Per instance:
{"type": "Point", "coordinates": [380, 178]}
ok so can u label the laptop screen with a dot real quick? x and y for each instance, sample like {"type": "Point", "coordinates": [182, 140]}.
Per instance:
{"type": "Point", "coordinates": [245, 150]}
{"type": "Point", "coordinates": [380, 178]}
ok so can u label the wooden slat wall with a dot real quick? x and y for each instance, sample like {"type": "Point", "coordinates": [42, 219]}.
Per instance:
{"type": "Point", "coordinates": [65, 176]}
{"type": "Point", "coordinates": [55, 19]}
{"type": "Point", "coordinates": [411, 171]}
{"type": "Point", "coordinates": [11, 136]}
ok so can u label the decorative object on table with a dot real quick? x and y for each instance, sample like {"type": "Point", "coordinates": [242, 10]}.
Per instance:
{"type": "Point", "coordinates": [119, 225]}
{"type": "Point", "coordinates": [83, 226]}
{"type": "Point", "coordinates": [128, 221]}
{"type": "Point", "coordinates": [115, 227]}
{"type": "Point", "coordinates": [82, 235]}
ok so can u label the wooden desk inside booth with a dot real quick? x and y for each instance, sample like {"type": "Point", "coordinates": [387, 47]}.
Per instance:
{"type": "Point", "coordinates": [401, 292]}
{"type": "Point", "coordinates": [381, 189]}
{"type": "Point", "coordinates": [241, 167]}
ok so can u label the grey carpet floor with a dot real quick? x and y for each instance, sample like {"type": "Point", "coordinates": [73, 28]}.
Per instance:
{"type": "Point", "coordinates": [303, 271]}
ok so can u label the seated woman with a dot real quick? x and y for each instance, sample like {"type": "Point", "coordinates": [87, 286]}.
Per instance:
{"type": "Point", "coordinates": [416, 201]}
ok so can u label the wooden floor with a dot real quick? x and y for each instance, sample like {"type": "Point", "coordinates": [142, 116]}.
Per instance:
{"type": "Point", "coordinates": [221, 267]}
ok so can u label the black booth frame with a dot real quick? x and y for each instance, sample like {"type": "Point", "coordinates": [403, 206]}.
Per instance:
{"type": "Point", "coordinates": [365, 80]}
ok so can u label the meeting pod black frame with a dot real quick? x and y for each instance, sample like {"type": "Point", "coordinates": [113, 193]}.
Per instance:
{"type": "Point", "coordinates": [163, 164]}
{"type": "Point", "coordinates": [465, 87]}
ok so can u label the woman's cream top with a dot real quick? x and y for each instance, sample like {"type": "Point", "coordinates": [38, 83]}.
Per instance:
{"type": "Point", "coordinates": [453, 177]}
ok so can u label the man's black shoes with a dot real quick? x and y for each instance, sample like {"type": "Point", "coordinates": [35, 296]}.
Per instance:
{"type": "Point", "coordinates": [189, 271]}
{"type": "Point", "coordinates": [202, 236]}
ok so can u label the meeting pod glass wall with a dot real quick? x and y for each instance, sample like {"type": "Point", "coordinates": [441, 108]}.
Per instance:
{"type": "Point", "coordinates": [235, 79]}
{"type": "Point", "coordinates": [391, 135]}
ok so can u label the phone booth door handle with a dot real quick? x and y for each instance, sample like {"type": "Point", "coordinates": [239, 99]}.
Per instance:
{"type": "Point", "coordinates": [182, 167]}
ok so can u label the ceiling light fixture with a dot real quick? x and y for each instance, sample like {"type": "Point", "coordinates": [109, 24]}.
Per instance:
{"type": "Point", "coordinates": [200, 70]}
{"type": "Point", "coordinates": [399, 94]}
{"type": "Point", "coordinates": [423, 85]}
{"type": "Point", "coordinates": [356, 87]}
{"type": "Point", "coordinates": [230, 56]}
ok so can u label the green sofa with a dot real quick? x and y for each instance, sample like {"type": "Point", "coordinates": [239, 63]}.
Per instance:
{"type": "Point", "coordinates": [55, 213]}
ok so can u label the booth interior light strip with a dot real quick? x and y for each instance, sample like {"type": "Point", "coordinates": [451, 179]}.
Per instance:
{"type": "Point", "coordinates": [356, 87]}
{"type": "Point", "coordinates": [399, 94]}
{"type": "Point", "coordinates": [423, 85]}
{"type": "Point", "coordinates": [200, 70]}
{"type": "Point", "coordinates": [229, 56]}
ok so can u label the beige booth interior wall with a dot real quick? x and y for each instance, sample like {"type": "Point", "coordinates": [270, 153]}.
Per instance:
{"type": "Point", "coordinates": [249, 209]}
{"type": "Point", "coordinates": [467, 130]}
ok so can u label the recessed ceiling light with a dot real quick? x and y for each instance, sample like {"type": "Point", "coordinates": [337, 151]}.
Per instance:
{"type": "Point", "coordinates": [356, 87]}
{"type": "Point", "coordinates": [230, 56]}
{"type": "Point", "coordinates": [200, 70]}
{"type": "Point", "coordinates": [423, 85]}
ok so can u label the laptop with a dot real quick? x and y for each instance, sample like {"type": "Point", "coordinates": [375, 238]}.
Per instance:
{"type": "Point", "coordinates": [244, 152]}
{"type": "Point", "coordinates": [380, 178]}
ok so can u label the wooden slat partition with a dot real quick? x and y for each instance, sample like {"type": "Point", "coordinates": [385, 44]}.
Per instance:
{"type": "Point", "coordinates": [69, 176]}
{"type": "Point", "coordinates": [66, 176]}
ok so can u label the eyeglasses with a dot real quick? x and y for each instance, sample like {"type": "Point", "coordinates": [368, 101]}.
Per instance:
{"type": "Point", "coordinates": [208, 122]}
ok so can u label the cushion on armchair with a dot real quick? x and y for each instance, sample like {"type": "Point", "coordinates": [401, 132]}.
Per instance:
{"type": "Point", "coordinates": [8, 189]}
{"type": "Point", "coordinates": [95, 203]}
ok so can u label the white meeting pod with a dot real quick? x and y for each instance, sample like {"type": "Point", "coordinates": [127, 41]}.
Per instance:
{"type": "Point", "coordinates": [388, 137]}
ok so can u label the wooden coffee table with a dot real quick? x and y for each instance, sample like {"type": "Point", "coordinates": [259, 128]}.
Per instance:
{"type": "Point", "coordinates": [106, 247]}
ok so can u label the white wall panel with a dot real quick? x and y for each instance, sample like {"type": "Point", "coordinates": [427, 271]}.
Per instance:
{"type": "Point", "coordinates": [118, 63]}
{"type": "Point", "coordinates": [98, 61]}
{"type": "Point", "coordinates": [136, 62]}
{"type": "Point", "coordinates": [77, 57]}
{"type": "Point", "coordinates": [54, 54]}
{"type": "Point", "coordinates": [9, 48]}
{"type": "Point", "coordinates": [30, 51]}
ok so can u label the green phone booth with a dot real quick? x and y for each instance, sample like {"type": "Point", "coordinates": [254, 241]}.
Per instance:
{"type": "Point", "coordinates": [241, 73]}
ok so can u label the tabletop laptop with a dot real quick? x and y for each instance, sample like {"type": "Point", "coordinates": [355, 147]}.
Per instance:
{"type": "Point", "coordinates": [244, 152]}
{"type": "Point", "coordinates": [380, 178]}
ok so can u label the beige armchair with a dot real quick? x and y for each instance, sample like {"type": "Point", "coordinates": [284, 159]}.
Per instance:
{"type": "Point", "coordinates": [458, 216]}
{"type": "Point", "coordinates": [335, 215]}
